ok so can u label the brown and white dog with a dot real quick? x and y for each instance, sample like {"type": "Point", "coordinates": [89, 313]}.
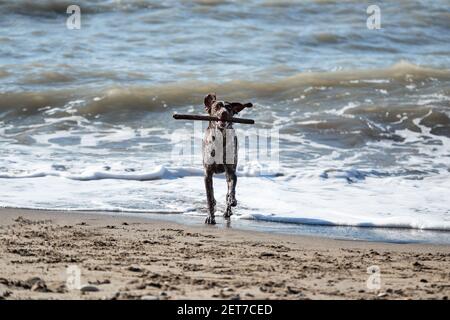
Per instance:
{"type": "Point", "coordinates": [220, 151]}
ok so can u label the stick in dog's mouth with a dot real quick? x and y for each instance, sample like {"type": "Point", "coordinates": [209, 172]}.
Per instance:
{"type": "Point", "coordinates": [209, 118]}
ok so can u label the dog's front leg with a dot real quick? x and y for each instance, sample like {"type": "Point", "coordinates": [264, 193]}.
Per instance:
{"type": "Point", "coordinates": [230, 173]}
{"type": "Point", "coordinates": [210, 197]}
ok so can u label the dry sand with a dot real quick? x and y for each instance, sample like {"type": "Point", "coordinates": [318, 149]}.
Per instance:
{"type": "Point", "coordinates": [134, 258]}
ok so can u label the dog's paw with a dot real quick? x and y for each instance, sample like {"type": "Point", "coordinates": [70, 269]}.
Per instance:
{"type": "Point", "coordinates": [210, 220]}
{"type": "Point", "coordinates": [231, 201]}
{"type": "Point", "coordinates": [227, 214]}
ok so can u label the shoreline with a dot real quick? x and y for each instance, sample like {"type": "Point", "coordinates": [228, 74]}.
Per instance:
{"type": "Point", "coordinates": [126, 257]}
{"type": "Point", "coordinates": [400, 235]}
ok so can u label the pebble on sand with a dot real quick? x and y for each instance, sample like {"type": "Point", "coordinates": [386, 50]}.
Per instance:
{"type": "Point", "coordinates": [135, 269]}
{"type": "Point", "coordinates": [4, 292]}
{"type": "Point", "coordinates": [89, 288]}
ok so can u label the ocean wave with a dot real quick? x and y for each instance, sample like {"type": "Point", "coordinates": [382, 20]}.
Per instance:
{"type": "Point", "coordinates": [158, 97]}
{"type": "Point", "coordinates": [393, 222]}
{"type": "Point", "coordinates": [356, 125]}
{"type": "Point", "coordinates": [48, 8]}
{"type": "Point", "coordinates": [158, 173]}
{"type": "Point", "coordinates": [355, 175]}
{"type": "Point", "coordinates": [104, 210]}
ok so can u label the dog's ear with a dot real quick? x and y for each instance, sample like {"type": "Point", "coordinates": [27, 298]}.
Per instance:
{"type": "Point", "coordinates": [238, 107]}
{"type": "Point", "coordinates": [209, 100]}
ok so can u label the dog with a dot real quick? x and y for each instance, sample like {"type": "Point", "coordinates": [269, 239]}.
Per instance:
{"type": "Point", "coordinates": [220, 151]}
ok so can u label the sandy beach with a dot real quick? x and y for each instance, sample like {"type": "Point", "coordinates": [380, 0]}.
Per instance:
{"type": "Point", "coordinates": [134, 258]}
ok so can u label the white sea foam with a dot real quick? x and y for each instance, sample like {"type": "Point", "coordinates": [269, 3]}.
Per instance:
{"type": "Point", "coordinates": [370, 201]}
{"type": "Point", "coordinates": [158, 173]}
{"type": "Point", "coordinates": [374, 202]}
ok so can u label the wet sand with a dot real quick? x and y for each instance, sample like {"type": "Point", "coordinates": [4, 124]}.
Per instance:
{"type": "Point", "coordinates": [135, 258]}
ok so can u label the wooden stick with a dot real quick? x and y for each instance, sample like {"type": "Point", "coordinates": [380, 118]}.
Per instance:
{"type": "Point", "coordinates": [208, 118]}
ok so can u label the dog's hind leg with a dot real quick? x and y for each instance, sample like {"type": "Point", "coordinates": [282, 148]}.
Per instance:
{"type": "Point", "coordinates": [210, 197]}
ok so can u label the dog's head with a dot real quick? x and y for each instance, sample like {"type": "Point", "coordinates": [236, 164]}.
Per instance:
{"type": "Point", "coordinates": [223, 110]}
